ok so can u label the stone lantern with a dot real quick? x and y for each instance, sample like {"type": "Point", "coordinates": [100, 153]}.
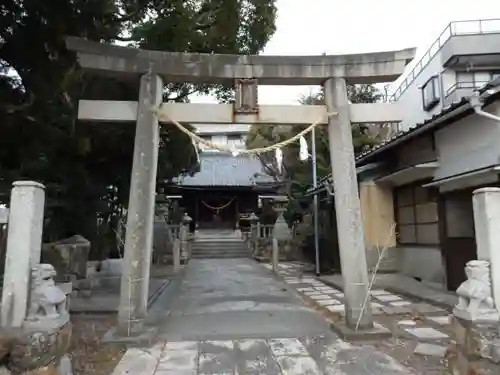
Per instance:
{"type": "Point", "coordinates": [254, 221]}
{"type": "Point", "coordinates": [253, 218]}
{"type": "Point", "coordinates": [184, 236]}
{"type": "Point", "coordinates": [186, 219]}
{"type": "Point", "coordinates": [281, 231]}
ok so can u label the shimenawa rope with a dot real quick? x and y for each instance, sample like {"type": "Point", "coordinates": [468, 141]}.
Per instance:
{"type": "Point", "coordinates": [163, 115]}
{"type": "Point", "coordinates": [217, 209]}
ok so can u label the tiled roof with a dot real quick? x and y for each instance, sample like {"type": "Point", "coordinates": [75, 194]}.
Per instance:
{"type": "Point", "coordinates": [427, 124]}
{"type": "Point", "coordinates": [224, 169]}
{"type": "Point", "coordinates": [419, 128]}
{"type": "Point", "coordinates": [411, 132]}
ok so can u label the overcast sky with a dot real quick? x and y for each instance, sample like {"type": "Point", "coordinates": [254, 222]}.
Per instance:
{"type": "Point", "coordinates": [314, 27]}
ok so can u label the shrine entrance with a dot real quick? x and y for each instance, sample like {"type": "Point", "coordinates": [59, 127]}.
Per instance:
{"type": "Point", "coordinates": [245, 73]}
{"type": "Point", "coordinates": [217, 212]}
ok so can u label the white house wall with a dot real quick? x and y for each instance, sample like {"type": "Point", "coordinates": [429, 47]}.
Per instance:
{"type": "Point", "coordinates": [411, 99]}
{"type": "Point", "coordinates": [469, 144]}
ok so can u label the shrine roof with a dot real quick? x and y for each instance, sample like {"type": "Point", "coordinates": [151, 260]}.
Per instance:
{"type": "Point", "coordinates": [224, 169]}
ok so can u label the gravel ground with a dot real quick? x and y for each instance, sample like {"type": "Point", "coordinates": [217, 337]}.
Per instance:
{"type": "Point", "coordinates": [88, 354]}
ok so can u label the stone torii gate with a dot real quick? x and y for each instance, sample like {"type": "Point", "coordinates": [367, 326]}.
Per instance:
{"type": "Point", "coordinates": [153, 68]}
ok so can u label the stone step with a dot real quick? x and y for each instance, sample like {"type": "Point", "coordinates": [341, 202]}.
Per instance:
{"type": "Point", "coordinates": [199, 251]}
{"type": "Point", "coordinates": [209, 244]}
{"type": "Point", "coordinates": [218, 247]}
{"type": "Point", "coordinates": [221, 255]}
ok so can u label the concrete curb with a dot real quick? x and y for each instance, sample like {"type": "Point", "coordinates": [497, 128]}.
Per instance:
{"type": "Point", "coordinates": [166, 293]}
{"type": "Point", "coordinates": [152, 299]}
{"type": "Point", "coordinates": [156, 294]}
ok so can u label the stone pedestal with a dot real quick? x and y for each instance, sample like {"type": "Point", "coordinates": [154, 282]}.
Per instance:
{"type": "Point", "coordinates": [140, 219]}
{"type": "Point", "coordinates": [24, 242]}
{"type": "Point", "coordinates": [476, 320]}
{"type": "Point", "coordinates": [477, 349]}
{"type": "Point", "coordinates": [486, 204]}
{"type": "Point", "coordinates": [34, 350]}
{"type": "Point", "coordinates": [347, 206]}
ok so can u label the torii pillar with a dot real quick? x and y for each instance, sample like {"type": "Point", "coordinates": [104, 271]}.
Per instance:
{"type": "Point", "coordinates": [134, 292]}
{"type": "Point", "coordinates": [330, 71]}
{"type": "Point", "coordinates": [347, 207]}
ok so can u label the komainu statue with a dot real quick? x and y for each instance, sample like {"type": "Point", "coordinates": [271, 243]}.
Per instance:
{"type": "Point", "coordinates": [475, 299]}
{"type": "Point", "coordinates": [47, 301]}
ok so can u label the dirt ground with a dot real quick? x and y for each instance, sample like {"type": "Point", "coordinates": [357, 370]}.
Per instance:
{"type": "Point", "coordinates": [88, 354]}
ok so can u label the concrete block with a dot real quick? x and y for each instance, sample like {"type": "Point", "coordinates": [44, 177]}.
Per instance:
{"type": "Point", "coordinates": [378, 332]}
{"type": "Point", "coordinates": [430, 350]}
{"type": "Point", "coordinates": [426, 333]}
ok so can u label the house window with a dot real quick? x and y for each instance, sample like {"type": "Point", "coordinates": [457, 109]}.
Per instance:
{"type": "Point", "coordinates": [416, 215]}
{"type": "Point", "coordinates": [234, 137]}
{"type": "Point", "coordinates": [476, 79]}
{"type": "Point", "coordinates": [430, 93]}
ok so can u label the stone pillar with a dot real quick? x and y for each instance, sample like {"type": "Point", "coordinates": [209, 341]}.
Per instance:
{"type": "Point", "coordinates": [176, 256]}
{"type": "Point", "coordinates": [347, 206]}
{"type": "Point", "coordinates": [486, 204]}
{"type": "Point", "coordinates": [254, 222]}
{"type": "Point", "coordinates": [476, 320]}
{"type": "Point", "coordinates": [183, 235]}
{"type": "Point", "coordinates": [24, 244]}
{"type": "Point", "coordinates": [275, 255]}
{"type": "Point", "coordinates": [140, 219]}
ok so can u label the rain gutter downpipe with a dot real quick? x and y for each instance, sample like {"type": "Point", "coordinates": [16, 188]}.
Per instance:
{"type": "Point", "coordinates": [477, 102]}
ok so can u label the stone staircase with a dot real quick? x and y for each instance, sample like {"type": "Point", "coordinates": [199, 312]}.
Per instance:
{"type": "Point", "coordinates": [219, 244]}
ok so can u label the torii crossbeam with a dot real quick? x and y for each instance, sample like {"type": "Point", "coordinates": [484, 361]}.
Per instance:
{"type": "Point", "coordinates": [244, 72]}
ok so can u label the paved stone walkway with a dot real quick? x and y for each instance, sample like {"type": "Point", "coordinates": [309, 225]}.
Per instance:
{"type": "Point", "coordinates": [233, 316]}
{"type": "Point", "coordinates": [421, 331]}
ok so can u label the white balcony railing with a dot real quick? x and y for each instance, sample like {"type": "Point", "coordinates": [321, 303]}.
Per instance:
{"type": "Point", "coordinates": [488, 26]}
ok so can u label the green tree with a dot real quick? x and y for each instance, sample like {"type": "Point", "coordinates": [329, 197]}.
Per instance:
{"type": "Point", "coordinates": [86, 166]}
{"type": "Point", "coordinates": [295, 174]}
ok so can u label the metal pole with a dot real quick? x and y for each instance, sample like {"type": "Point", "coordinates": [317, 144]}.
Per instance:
{"type": "Point", "coordinates": [315, 185]}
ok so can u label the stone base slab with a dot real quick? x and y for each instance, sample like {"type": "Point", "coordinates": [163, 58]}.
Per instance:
{"type": "Point", "coordinates": [378, 332]}
{"type": "Point", "coordinates": [147, 337]}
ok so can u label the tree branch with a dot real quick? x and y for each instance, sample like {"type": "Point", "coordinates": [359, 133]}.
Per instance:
{"type": "Point", "coordinates": [10, 108]}
{"type": "Point", "coordinates": [182, 96]}
{"type": "Point", "coordinates": [123, 39]}
{"type": "Point", "coordinates": [268, 169]}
